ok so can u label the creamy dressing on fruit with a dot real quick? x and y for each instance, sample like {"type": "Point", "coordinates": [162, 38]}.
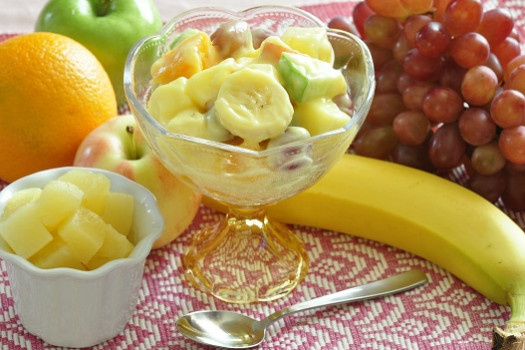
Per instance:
{"type": "Point", "coordinates": [224, 88]}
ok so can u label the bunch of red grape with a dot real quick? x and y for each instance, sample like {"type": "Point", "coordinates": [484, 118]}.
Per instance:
{"type": "Point", "coordinates": [450, 91]}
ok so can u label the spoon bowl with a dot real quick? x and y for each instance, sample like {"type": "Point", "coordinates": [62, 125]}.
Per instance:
{"type": "Point", "coordinates": [222, 328]}
{"type": "Point", "coordinates": [233, 330]}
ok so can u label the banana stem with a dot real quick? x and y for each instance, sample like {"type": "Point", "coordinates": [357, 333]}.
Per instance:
{"type": "Point", "coordinates": [513, 336]}
{"type": "Point", "coordinates": [517, 306]}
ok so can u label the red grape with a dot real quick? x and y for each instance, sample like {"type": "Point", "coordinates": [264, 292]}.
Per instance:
{"type": "Point", "coordinates": [401, 48]}
{"type": "Point", "coordinates": [514, 63]}
{"type": "Point", "coordinates": [375, 142]}
{"type": "Point", "coordinates": [476, 126]}
{"type": "Point", "coordinates": [493, 63]}
{"type": "Point", "coordinates": [452, 75]}
{"type": "Point", "coordinates": [516, 80]}
{"type": "Point", "coordinates": [512, 144]}
{"type": "Point", "coordinates": [442, 105]}
{"type": "Point", "coordinates": [487, 159]}
{"type": "Point", "coordinates": [463, 16]}
{"type": "Point", "coordinates": [413, 156]}
{"type": "Point", "coordinates": [403, 82]}
{"type": "Point", "coordinates": [387, 77]}
{"type": "Point", "coordinates": [440, 8]}
{"type": "Point", "coordinates": [491, 187]}
{"type": "Point", "coordinates": [506, 50]}
{"type": "Point", "coordinates": [496, 25]}
{"type": "Point", "coordinates": [381, 30]}
{"type": "Point", "coordinates": [411, 127]}
{"type": "Point", "coordinates": [412, 26]}
{"type": "Point", "coordinates": [380, 55]}
{"type": "Point", "coordinates": [342, 23]}
{"type": "Point", "coordinates": [433, 39]}
{"type": "Point", "coordinates": [479, 85]}
{"type": "Point", "coordinates": [514, 194]}
{"type": "Point", "coordinates": [446, 148]}
{"type": "Point", "coordinates": [384, 108]}
{"type": "Point", "coordinates": [419, 66]}
{"type": "Point", "coordinates": [470, 49]}
{"type": "Point", "coordinates": [508, 108]}
{"type": "Point", "coordinates": [414, 94]}
{"type": "Point", "coordinates": [360, 13]}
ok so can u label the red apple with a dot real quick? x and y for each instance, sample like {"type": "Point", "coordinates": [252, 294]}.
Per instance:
{"type": "Point", "coordinates": [119, 145]}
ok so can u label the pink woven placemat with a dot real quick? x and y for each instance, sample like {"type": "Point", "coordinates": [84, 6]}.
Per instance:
{"type": "Point", "coordinates": [444, 314]}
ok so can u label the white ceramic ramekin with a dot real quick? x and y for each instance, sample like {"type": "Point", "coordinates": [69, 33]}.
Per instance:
{"type": "Point", "coordinates": [74, 308]}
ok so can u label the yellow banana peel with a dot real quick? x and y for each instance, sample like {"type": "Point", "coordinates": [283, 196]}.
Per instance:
{"type": "Point", "coordinates": [421, 213]}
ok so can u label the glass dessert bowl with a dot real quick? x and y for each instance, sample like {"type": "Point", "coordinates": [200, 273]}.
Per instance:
{"type": "Point", "coordinates": [247, 257]}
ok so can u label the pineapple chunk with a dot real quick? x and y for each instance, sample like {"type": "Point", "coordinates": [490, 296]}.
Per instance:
{"type": "Point", "coordinates": [56, 254]}
{"type": "Point", "coordinates": [96, 262]}
{"type": "Point", "coordinates": [95, 187]}
{"type": "Point", "coordinates": [84, 233]}
{"type": "Point", "coordinates": [119, 211]}
{"type": "Point", "coordinates": [20, 198]}
{"type": "Point", "coordinates": [169, 100]}
{"type": "Point", "coordinates": [24, 232]}
{"type": "Point", "coordinates": [311, 41]}
{"type": "Point", "coordinates": [115, 245]}
{"type": "Point", "coordinates": [319, 115]}
{"type": "Point", "coordinates": [4, 246]}
{"type": "Point", "coordinates": [59, 200]}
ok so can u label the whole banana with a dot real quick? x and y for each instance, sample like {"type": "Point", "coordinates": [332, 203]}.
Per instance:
{"type": "Point", "coordinates": [428, 216]}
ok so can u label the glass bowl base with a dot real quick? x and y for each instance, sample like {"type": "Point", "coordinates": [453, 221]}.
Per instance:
{"type": "Point", "coordinates": [244, 260]}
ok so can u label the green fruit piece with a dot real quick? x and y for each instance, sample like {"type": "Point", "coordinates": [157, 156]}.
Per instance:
{"type": "Point", "coordinates": [306, 78]}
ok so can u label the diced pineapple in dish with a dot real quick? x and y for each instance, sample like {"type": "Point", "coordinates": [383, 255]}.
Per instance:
{"type": "Point", "coordinates": [95, 187]}
{"type": "Point", "coordinates": [21, 198]}
{"type": "Point", "coordinates": [74, 221]}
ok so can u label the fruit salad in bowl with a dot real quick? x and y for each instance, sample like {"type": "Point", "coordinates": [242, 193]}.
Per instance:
{"type": "Point", "coordinates": [250, 108]}
{"type": "Point", "coordinates": [74, 242]}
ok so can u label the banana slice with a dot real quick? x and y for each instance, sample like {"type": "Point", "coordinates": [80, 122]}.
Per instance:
{"type": "Point", "coordinates": [253, 105]}
{"type": "Point", "coordinates": [194, 123]}
{"type": "Point", "coordinates": [170, 99]}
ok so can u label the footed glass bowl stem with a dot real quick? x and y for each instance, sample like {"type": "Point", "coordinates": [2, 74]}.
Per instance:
{"type": "Point", "coordinates": [246, 258]}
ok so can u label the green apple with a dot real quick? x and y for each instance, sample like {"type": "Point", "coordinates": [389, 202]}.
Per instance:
{"type": "Point", "coordinates": [108, 28]}
{"type": "Point", "coordinates": [118, 145]}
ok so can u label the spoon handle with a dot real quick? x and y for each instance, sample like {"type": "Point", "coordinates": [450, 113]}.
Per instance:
{"type": "Point", "coordinates": [390, 285]}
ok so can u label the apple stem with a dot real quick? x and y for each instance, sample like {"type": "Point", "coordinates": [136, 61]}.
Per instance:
{"type": "Point", "coordinates": [103, 9]}
{"type": "Point", "coordinates": [132, 146]}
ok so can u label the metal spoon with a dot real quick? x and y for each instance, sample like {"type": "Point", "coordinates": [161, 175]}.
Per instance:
{"type": "Point", "coordinates": [233, 330]}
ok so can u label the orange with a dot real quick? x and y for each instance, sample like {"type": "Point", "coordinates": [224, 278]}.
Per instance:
{"type": "Point", "coordinates": [53, 93]}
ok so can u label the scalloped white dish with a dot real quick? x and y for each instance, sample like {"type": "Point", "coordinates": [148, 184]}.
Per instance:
{"type": "Point", "coordinates": [74, 308]}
